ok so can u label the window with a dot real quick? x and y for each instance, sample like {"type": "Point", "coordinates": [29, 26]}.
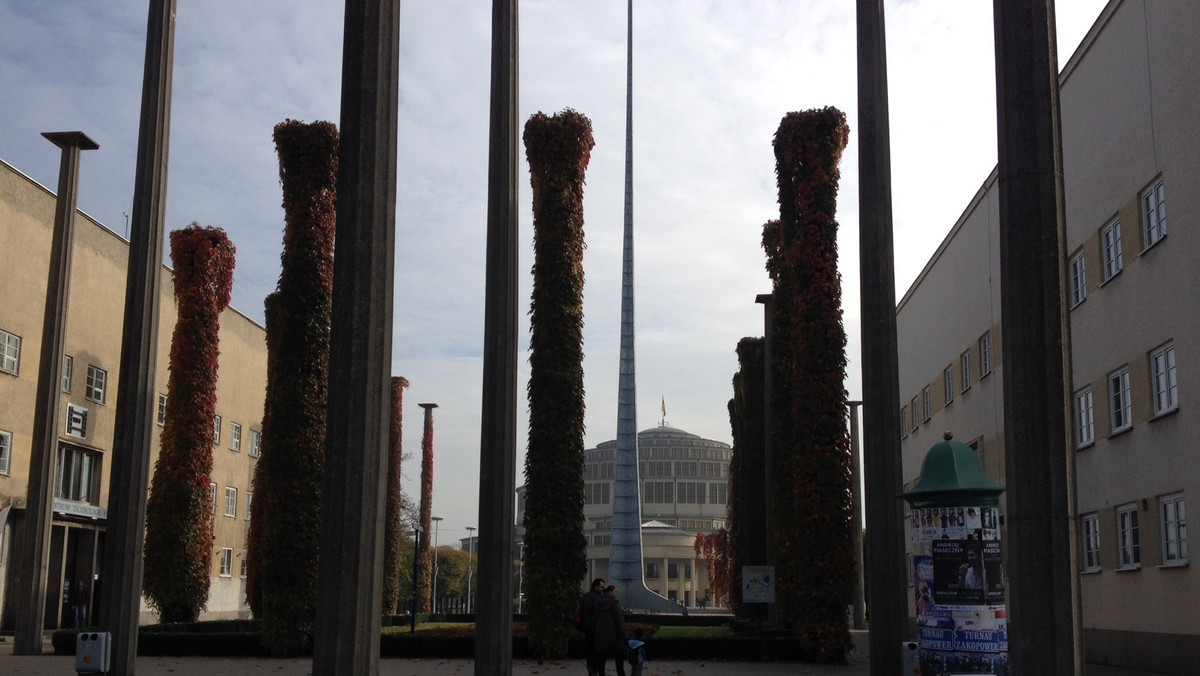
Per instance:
{"type": "Point", "coordinates": [652, 571]}
{"type": "Point", "coordinates": [659, 492]}
{"type": "Point", "coordinates": [1085, 429]}
{"type": "Point", "coordinates": [226, 562]}
{"type": "Point", "coordinates": [212, 497]}
{"type": "Point", "coordinates": [244, 559]}
{"type": "Point", "coordinates": [255, 443]}
{"type": "Point", "coordinates": [672, 571]}
{"type": "Point", "coordinates": [1154, 214]}
{"type": "Point", "coordinates": [68, 367]}
{"type": "Point", "coordinates": [1129, 553]}
{"type": "Point", "coordinates": [5, 450]}
{"type": "Point", "coordinates": [1110, 249]}
{"type": "Point", "coordinates": [1078, 280]}
{"type": "Point", "coordinates": [596, 493]}
{"type": "Point", "coordinates": [162, 409]}
{"type": "Point", "coordinates": [718, 494]}
{"type": "Point", "coordinates": [1120, 405]}
{"type": "Point", "coordinates": [1174, 530]}
{"type": "Point", "coordinates": [690, 492]}
{"type": "Point", "coordinates": [948, 377]}
{"type": "Point", "coordinates": [77, 475]}
{"type": "Point", "coordinates": [1090, 532]}
{"type": "Point", "coordinates": [925, 397]}
{"type": "Point", "coordinates": [903, 422]}
{"type": "Point", "coordinates": [985, 354]}
{"type": "Point", "coordinates": [914, 414]}
{"type": "Point", "coordinates": [97, 381]}
{"type": "Point", "coordinates": [10, 353]}
{"type": "Point", "coordinates": [235, 436]}
{"type": "Point", "coordinates": [1162, 374]}
{"type": "Point", "coordinates": [965, 367]}
{"type": "Point", "coordinates": [216, 429]}
{"type": "Point", "coordinates": [230, 501]}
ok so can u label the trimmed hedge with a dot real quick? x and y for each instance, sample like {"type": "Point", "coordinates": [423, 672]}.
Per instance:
{"type": "Point", "coordinates": [240, 638]}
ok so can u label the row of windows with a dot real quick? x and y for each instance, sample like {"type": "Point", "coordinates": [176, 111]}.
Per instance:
{"type": "Point", "coordinates": [1164, 391]}
{"type": "Point", "coordinates": [235, 430]}
{"type": "Point", "coordinates": [231, 500]}
{"type": "Point", "coordinates": [1154, 229]}
{"type": "Point", "coordinates": [95, 388]}
{"type": "Point", "coordinates": [1172, 521]}
{"type": "Point", "coordinates": [920, 409]}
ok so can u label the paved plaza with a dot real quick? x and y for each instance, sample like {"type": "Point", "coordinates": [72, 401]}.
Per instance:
{"type": "Point", "coordinates": [56, 665]}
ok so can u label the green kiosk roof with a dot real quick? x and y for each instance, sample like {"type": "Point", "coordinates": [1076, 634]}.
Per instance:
{"type": "Point", "coordinates": [953, 475]}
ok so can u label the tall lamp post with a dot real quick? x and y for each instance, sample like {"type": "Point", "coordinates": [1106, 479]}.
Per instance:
{"type": "Point", "coordinates": [436, 520]}
{"type": "Point", "coordinates": [470, 554]}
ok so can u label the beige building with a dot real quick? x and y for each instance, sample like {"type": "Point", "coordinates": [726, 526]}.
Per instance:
{"type": "Point", "coordinates": [682, 483]}
{"type": "Point", "coordinates": [88, 400]}
{"type": "Point", "coordinates": [1130, 105]}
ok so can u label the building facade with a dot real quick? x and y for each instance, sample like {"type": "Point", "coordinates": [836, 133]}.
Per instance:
{"type": "Point", "coordinates": [87, 400]}
{"type": "Point", "coordinates": [1129, 106]}
{"type": "Point", "coordinates": [683, 481]}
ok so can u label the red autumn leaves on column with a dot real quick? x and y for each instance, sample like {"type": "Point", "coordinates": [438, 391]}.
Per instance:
{"type": "Point", "coordinates": [815, 560]}
{"type": "Point", "coordinates": [179, 511]}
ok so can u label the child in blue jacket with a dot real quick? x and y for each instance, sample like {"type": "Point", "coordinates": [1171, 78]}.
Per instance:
{"type": "Point", "coordinates": [635, 650]}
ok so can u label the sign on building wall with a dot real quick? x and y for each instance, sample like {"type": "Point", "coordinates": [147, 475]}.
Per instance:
{"type": "Point", "coordinates": [758, 584]}
{"type": "Point", "coordinates": [77, 420]}
{"type": "Point", "coordinates": [958, 580]}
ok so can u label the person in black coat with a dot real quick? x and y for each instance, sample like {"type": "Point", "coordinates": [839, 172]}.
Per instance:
{"type": "Point", "coordinates": [610, 631]}
{"type": "Point", "coordinates": [587, 622]}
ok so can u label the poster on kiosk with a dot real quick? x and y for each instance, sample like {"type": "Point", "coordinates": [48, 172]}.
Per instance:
{"type": "Point", "coordinates": [958, 572]}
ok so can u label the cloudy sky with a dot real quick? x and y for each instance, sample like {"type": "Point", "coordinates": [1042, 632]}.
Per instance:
{"type": "Point", "coordinates": [712, 79]}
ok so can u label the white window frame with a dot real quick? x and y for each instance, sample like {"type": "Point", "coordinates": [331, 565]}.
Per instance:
{"type": "Point", "coordinates": [985, 355]}
{"type": "Point", "coordinates": [68, 368]}
{"type": "Point", "coordinates": [245, 563]}
{"type": "Point", "coordinates": [235, 436]}
{"type": "Point", "coordinates": [161, 418]}
{"type": "Point", "coordinates": [255, 443]}
{"type": "Point", "coordinates": [964, 365]}
{"type": "Point", "coordinates": [97, 384]}
{"type": "Point", "coordinates": [1085, 418]}
{"type": "Point", "coordinates": [226, 562]}
{"type": "Point", "coordinates": [1110, 250]}
{"type": "Point", "coordinates": [916, 422]}
{"type": "Point", "coordinates": [904, 422]}
{"type": "Point", "coordinates": [948, 380]}
{"type": "Point", "coordinates": [1129, 555]}
{"type": "Point", "coordinates": [249, 502]}
{"type": "Point", "coordinates": [77, 475]}
{"type": "Point", "coordinates": [216, 429]}
{"type": "Point", "coordinates": [5, 452]}
{"type": "Point", "coordinates": [1078, 279]}
{"type": "Point", "coordinates": [1154, 214]}
{"type": "Point", "coordinates": [1089, 532]}
{"type": "Point", "coordinates": [1164, 386]}
{"type": "Point", "coordinates": [1173, 517]}
{"type": "Point", "coordinates": [927, 402]}
{"type": "Point", "coordinates": [10, 353]}
{"type": "Point", "coordinates": [230, 501]}
{"type": "Point", "coordinates": [1120, 403]}
{"type": "Point", "coordinates": [212, 496]}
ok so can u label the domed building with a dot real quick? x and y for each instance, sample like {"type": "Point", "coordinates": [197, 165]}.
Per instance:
{"type": "Point", "coordinates": [683, 483]}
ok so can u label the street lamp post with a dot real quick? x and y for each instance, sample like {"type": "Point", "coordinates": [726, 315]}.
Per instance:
{"type": "Point", "coordinates": [436, 520]}
{"type": "Point", "coordinates": [470, 553]}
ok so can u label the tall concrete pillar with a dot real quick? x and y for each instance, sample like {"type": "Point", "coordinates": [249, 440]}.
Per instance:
{"type": "Point", "coordinates": [498, 426]}
{"type": "Point", "coordinates": [882, 463]}
{"type": "Point", "coordinates": [121, 569]}
{"type": "Point", "coordinates": [856, 520]}
{"type": "Point", "coordinates": [349, 578]}
{"type": "Point", "coordinates": [1043, 584]}
{"type": "Point", "coordinates": [32, 564]}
